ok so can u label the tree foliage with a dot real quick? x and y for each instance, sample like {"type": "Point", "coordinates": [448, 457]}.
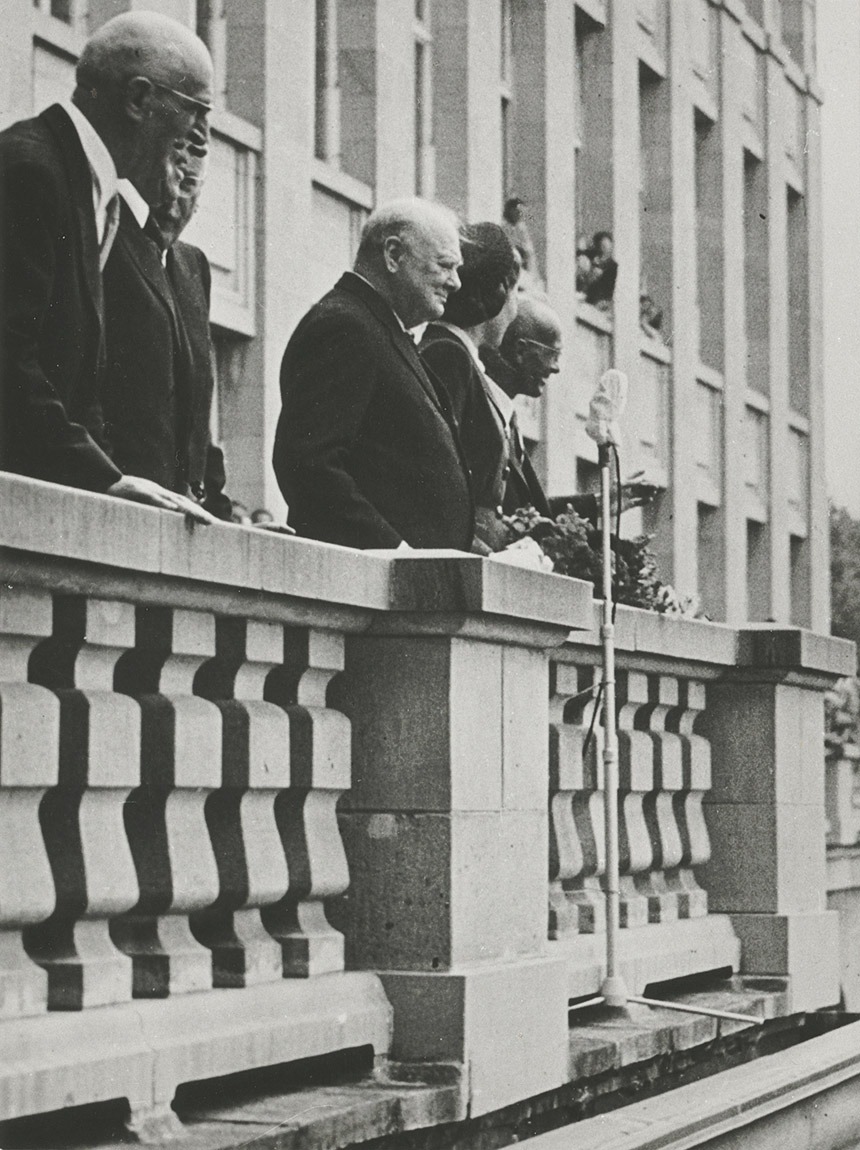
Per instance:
{"type": "Point", "coordinates": [845, 574]}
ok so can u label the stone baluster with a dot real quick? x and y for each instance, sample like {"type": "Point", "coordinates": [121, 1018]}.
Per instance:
{"type": "Point", "coordinates": [165, 816]}
{"type": "Point", "coordinates": [320, 771]}
{"type": "Point", "coordinates": [29, 758]}
{"type": "Point", "coordinates": [660, 815]}
{"type": "Point", "coordinates": [255, 766]}
{"type": "Point", "coordinates": [688, 800]}
{"type": "Point", "coordinates": [636, 780]}
{"type": "Point", "coordinates": [577, 850]}
{"type": "Point", "coordinates": [82, 817]}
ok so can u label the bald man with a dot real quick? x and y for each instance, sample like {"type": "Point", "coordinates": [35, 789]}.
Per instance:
{"type": "Point", "coordinates": [367, 453]}
{"type": "Point", "coordinates": [144, 86]}
{"type": "Point", "coordinates": [529, 354]}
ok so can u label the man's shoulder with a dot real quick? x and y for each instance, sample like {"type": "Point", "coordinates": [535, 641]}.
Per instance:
{"type": "Point", "coordinates": [30, 142]}
{"type": "Point", "coordinates": [191, 259]}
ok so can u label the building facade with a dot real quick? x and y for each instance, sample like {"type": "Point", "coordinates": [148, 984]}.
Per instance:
{"type": "Point", "coordinates": [690, 131]}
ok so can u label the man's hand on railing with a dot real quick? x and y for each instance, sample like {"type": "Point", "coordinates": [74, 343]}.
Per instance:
{"type": "Point", "coordinates": [140, 490]}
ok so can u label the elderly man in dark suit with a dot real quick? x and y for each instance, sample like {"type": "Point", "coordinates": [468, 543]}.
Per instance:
{"type": "Point", "coordinates": [529, 354]}
{"type": "Point", "coordinates": [367, 453]}
{"type": "Point", "coordinates": [143, 82]}
{"type": "Point", "coordinates": [158, 395]}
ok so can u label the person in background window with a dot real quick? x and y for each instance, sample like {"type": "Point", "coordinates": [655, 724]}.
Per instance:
{"type": "Point", "coordinates": [604, 272]}
{"type": "Point", "coordinates": [449, 349]}
{"type": "Point", "coordinates": [518, 233]}
{"type": "Point", "coordinates": [143, 82]}
{"type": "Point", "coordinates": [158, 397]}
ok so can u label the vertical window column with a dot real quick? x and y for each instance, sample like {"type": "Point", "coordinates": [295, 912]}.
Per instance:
{"type": "Point", "coordinates": [709, 243]}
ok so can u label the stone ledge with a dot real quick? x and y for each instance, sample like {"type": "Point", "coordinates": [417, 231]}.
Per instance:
{"type": "Point", "coordinates": [143, 1050]}
{"type": "Point", "coordinates": [769, 647]}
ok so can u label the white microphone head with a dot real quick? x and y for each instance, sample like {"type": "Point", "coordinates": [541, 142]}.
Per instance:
{"type": "Point", "coordinates": [607, 404]}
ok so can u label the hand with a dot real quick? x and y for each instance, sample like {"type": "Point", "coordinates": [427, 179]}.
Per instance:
{"type": "Point", "coordinates": [140, 490]}
{"type": "Point", "coordinates": [638, 491]}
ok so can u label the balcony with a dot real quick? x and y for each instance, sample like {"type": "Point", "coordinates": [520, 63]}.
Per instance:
{"type": "Point", "coordinates": [264, 799]}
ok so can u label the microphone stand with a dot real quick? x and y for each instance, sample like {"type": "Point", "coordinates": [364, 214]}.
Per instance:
{"type": "Point", "coordinates": [613, 990]}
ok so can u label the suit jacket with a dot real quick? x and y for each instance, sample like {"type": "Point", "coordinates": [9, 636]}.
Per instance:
{"type": "Point", "coordinates": [523, 488]}
{"type": "Point", "coordinates": [51, 307]}
{"type": "Point", "coordinates": [366, 452]}
{"type": "Point", "coordinates": [481, 429]}
{"type": "Point", "coordinates": [157, 394]}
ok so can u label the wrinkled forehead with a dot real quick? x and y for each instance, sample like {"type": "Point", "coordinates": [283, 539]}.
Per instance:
{"type": "Point", "coordinates": [435, 239]}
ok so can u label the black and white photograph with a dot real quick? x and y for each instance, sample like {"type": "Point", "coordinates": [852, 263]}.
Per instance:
{"type": "Point", "coordinates": [430, 574]}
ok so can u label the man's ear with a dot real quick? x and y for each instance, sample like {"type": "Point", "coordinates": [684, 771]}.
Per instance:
{"type": "Point", "coordinates": [135, 97]}
{"type": "Point", "coordinates": [392, 250]}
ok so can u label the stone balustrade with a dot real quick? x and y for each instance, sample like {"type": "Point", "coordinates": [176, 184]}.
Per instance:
{"type": "Point", "coordinates": [263, 798]}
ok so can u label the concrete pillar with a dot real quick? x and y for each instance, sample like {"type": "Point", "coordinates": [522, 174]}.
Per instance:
{"type": "Point", "coordinates": [732, 518]}
{"type": "Point", "coordinates": [16, 62]}
{"type": "Point", "coordinates": [395, 88]}
{"type": "Point", "coordinates": [446, 833]}
{"type": "Point", "coordinates": [765, 811]}
{"type": "Point", "coordinates": [677, 518]}
{"type": "Point", "coordinates": [819, 511]}
{"type": "Point", "coordinates": [269, 74]}
{"type": "Point", "coordinates": [467, 107]}
{"type": "Point", "coordinates": [775, 131]}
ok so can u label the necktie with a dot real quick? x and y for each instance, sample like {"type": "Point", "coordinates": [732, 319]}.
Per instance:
{"type": "Point", "coordinates": [111, 225]}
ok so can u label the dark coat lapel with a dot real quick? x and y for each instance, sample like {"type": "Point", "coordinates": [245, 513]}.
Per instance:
{"type": "Point", "coordinates": [81, 181]}
{"type": "Point", "coordinates": [401, 341]}
{"type": "Point", "coordinates": [147, 259]}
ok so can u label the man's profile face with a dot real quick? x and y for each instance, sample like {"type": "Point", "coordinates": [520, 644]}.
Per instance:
{"type": "Point", "coordinates": [537, 358]}
{"type": "Point", "coordinates": [426, 272]}
{"type": "Point", "coordinates": [176, 111]}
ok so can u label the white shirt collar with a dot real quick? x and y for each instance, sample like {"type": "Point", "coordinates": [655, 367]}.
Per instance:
{"type": "Point", "coordinates": [102, 167]}
{"type": "Point", "coordinates": [138, 205]}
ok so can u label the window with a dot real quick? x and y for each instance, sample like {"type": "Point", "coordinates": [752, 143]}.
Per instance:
{"type": "Point", "coordinates": [424, 175]}
{"type": "Point", "coordinates": [709, 242]}
{"type": "Point", "coordinates": [655, 193]}
{"type": "Point", "coordinates": [326, 94]}
{"type": "Point", "coordinates": [758, 572]}
{"type": "Point", "coordinates": [756, 279]}
{"type": "Point", "coordinates": [798, 301]}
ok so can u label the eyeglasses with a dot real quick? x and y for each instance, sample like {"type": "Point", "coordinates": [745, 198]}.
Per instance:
{"type": "Point", "coordinates": [553, 353]}
{"type": "Point", "coordinates": [194, 105]}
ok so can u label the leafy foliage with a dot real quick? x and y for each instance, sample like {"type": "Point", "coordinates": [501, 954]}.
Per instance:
{"type": "Point", "coordinates": [842, 720]}
{"type": "Point", "coordinates": [574, 547]}
{"type": "Point", "coordinates": [845, 574]}
{"type": "Point", "coordinates": [842, 704]}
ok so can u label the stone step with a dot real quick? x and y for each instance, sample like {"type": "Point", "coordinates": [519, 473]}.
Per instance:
{"type": "Point", "coordinates": [332, 1105]}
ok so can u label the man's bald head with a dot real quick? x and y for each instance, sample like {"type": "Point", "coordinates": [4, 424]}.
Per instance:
{"type": "Point", "coordinates": [532, 345]}
{"type": "Point", "coordinates": [145, 44]}
{"type": "Point", "coordinates": [144, 82]}
{"type": "Point", "coordinates": [410, 251]}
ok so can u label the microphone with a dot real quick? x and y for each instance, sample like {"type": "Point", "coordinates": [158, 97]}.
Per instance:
{"type": "Point", "coordinates": [607, 404]}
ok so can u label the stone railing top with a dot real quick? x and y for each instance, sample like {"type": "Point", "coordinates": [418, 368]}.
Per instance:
{"type": "Point", "coordinates": [55, 526]}
{"type": "Point", "coordinates": [765, 646]}
{"type": "Point", "coordinates": [756, 647]}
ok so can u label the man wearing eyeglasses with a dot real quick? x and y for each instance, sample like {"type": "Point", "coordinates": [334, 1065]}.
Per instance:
{"type": "Point", "coordinates": [529, 354]}
{"type": "Point", "coordinates": [144, 85]}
